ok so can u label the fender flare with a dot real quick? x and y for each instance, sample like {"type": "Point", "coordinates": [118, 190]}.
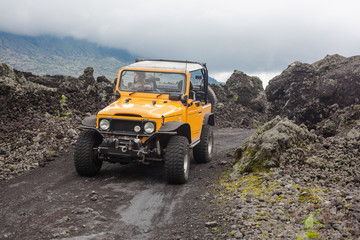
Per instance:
{"type": "Point", "coordinates": [209, 119]}
{"type": "Point", "coordinates": [89, 121]}
{"type": "Point", "coordinates": [182, 129]}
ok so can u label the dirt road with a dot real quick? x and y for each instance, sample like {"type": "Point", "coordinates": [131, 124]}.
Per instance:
{"type": "Point", "coordinates": [124, 202]}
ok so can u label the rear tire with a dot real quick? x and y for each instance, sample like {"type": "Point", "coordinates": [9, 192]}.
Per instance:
{"type": "Point", "coordinates": [177, 160]}
{"type": "Point", "coordinates": [203, 151]}
{"type": "Point", "coordinates": [86, 159]}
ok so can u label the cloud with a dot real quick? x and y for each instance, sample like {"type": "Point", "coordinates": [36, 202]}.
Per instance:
{"type": "Point", "coordinates": [221, 76]}
{"type": "Point", "coordinates": [251, 36]}
{"type": "Point", "coordinates": [265, 77]}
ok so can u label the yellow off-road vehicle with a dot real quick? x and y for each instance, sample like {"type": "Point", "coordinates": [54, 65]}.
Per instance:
{"type": "Point", "coordinates": [161, 111]}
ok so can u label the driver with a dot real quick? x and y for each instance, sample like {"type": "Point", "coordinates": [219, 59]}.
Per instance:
{"type": "Point", "coordinates": [139, 82]}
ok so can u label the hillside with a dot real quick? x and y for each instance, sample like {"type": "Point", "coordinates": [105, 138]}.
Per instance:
{"type": "Point", "coordinates": [44, 55]}
{"type": "Point", "coordinates": [47, 55]}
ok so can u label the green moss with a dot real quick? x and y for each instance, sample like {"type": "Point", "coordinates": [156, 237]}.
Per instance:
{"type": "Point", "coordinates": [250, 184]}
{"type": "Point", "coordinates": [235, 98]}
{"type": "Point", "coordinates": [247, 160]}
{"type": "Point", "coordinates": [230, 234]}
{"type": "Point", "coordinates": [310, 195]}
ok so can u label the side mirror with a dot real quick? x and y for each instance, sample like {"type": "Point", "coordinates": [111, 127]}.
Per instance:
{"type": "Point", "coordinates": [174, 96]}
{"type": "Point", "coordinates": [109, 90]}
{"type": "Point", "coordinates": [184, 100]}
{"type": "Point", "coordinates": [117, 95]}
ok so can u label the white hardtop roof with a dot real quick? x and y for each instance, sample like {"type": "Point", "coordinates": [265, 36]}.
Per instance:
{"type": "Point", "coordinates": [167, 65]}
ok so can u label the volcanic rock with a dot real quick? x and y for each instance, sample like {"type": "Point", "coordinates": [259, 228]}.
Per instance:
{"type": "Point", "coordinates": [41, 114]}
{"type": "Point", "coordinates": [306, 93]}
{"type": "Point", "coordinates": [247, 91]}
{"type": "Point", "coordinates": [241, 102]}
{"type": "Point", "coordinates": [343, 122]}
{"type": "Point", "coordinates": [266, 148]}
{"type": "Point", "coordinates": [87, 77]}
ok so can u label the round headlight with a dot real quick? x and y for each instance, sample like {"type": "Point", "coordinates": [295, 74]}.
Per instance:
{"type": "Point", "coordinates": [104, 124]}
{"type": "Point", "coordinates": [149, 127]}
{"type": "Point", "coordinates": [137, 128]}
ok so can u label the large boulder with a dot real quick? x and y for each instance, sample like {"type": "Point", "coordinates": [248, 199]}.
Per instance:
{"type": "Point", "coordinates": [269, 145]}
{"type": "Point", "coordinates": [306, 93]}
{"type": "Point", "coordinates": [87, 78]}
{"type": "Point", "coordinates": [241, 101]}
{"type": "Point", "coordinates": [247, 91]}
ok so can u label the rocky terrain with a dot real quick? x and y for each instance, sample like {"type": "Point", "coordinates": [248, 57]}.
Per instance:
{"type": "Point", "coordinates": [296, 177]}
{"type": "Point", "coordinates": [40, 115]}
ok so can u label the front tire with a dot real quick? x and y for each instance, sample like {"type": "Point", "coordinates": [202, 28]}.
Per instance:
{"type": "Point", "coordinates": [203, 151]}
{"type": "Point", "coordinates": [177, 160]}
{"type": "Point", "coordinates": [86, 159]}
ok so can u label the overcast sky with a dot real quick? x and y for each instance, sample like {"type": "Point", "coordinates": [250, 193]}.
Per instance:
{"type": "Point", "coordinates": [254, 36]}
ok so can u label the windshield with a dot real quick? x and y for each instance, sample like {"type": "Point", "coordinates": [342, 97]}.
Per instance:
{"type": "Point", "coordinates": [155, 82]}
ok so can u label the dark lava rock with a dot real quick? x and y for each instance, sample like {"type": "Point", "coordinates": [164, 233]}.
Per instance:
{"type": "Point", "coordinates": [87, 77]}
{"type": "Point", "coordinates": [102, 79]}
{"type": "Point", "coordinates": [50, 105]}
{"type": "Point", "coordinates": [241, 102]}
{"type": "Point", "coordinates": [247, 91]}
{"type": "Point", "coordinates": [344, 122]}
{"type": "Point", "coordinates": [306, 93]}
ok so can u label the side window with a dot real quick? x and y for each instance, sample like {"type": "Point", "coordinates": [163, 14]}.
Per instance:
{"type": "Point", "coordinates": [196, 77]}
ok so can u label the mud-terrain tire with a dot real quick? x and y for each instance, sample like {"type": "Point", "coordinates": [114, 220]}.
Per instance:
{"type": "Point", "coordinates": [177, 160]}
{"type": "Point", "coordinates": [85, 159]}
{"type": "Point", "coordinates": [203, 151]}
{"type": "Point", "coordinates": [211, 97]}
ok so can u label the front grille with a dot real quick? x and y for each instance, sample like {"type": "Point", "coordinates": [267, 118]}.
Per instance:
{"type": "Point", "coordinates": [122, 125]}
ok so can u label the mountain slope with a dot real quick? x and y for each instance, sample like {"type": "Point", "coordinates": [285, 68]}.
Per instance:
{"type": "Point", "coordinates": [60, 56]}
{"type": "Point", "coordinates": [47, 55]}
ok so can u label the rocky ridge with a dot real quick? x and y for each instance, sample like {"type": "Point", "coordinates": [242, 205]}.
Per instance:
{"type": "Point", "coordinates": [309, 93]}
{"type": "Point", "coordinates": [41, 114]}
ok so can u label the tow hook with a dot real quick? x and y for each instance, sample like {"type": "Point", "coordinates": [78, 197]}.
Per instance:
{"type": "Point", "coordinates": [124, 149]}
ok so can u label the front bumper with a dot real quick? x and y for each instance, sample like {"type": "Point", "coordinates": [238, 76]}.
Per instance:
{"type": "Point", "coordinates": [131, 147]}
{"type": "Point", "coordinates": [119, 147]}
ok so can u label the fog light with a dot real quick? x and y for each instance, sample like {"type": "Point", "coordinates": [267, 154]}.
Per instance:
{"type": "Point", "coordinates": [137, 129]}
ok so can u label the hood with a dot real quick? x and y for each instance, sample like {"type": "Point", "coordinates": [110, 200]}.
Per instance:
{"type": "Point", "coordinates": [146, 108]}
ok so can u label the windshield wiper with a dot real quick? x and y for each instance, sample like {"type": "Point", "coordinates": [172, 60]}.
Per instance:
{"type": "Point", "coordinates": [159, 95]}
{"type": "Point", "coordinates": [132, 93]}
